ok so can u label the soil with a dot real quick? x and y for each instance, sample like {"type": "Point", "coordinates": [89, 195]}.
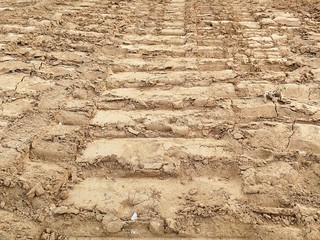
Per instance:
{"type": "Point", "coordinates": [196, 119]}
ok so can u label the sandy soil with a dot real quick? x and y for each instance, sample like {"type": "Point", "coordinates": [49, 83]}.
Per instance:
{"type": "Point", "coordinates": [159, 119]}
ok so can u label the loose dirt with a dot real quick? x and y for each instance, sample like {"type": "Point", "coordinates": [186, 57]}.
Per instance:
{"type": "Point", "coordinates": [159, 119]}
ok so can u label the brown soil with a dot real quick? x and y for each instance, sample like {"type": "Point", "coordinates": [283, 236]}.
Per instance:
{"type": "Point", "coordinates": [159, 119]}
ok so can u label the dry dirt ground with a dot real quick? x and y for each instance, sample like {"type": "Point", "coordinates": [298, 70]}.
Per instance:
{"type": "Point", "coordinates": [159, 119]}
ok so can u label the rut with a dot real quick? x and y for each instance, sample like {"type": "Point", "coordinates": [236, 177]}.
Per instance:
{"type": "Point", "coordinates": [158, 119]}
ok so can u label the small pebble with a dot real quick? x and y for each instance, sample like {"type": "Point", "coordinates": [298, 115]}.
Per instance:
{"type": "Point", "coordinates": [134, 217]}
{"type": "Point", "coordinates": [64, 195]}
{"type": "Point", "coordinates": [193, 191]}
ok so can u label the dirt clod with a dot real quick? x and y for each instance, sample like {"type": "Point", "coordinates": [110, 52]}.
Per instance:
{"type": "Point", "coordinates": [112, 225]}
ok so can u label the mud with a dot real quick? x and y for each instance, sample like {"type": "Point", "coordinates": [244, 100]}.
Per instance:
{"type": "Point", "coordinates": [159, 119]}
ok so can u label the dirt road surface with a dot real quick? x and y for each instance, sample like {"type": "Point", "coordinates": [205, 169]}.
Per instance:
{"type": "Point", "coordinates": [159, 119]}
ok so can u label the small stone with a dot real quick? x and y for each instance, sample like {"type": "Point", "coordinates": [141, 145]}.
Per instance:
{"type": "Point", "coordinates": [2, 204]}
{"type": "Point", "coordinates": [52, 206]}
{"type": "Point", "coordinates": [286, 222]}
{"type": "Point", "coordinates": [156, 226]}
{"type": "Point", "coordinates": [45, 23]}
{"type": "Point", "coordinates": [267, 216]}
{"type": "Point", "coordinates": [196, 224]}
{"type": "Point", "coordinates": [193, 191]}
{"type": "Point", "coordinates": [80, 94]}
{"type": "Point", "coordinates": [296, 166]}
{"type": "Point", "coordinates": [39, 191]}
{"type": "Point", "coordinates": [169, 168]}
{"type": "Point", "coordinates": [183, 234]}
{"type": "Point", "coordinates": [205, 131]}
{"type": "Point", "coordinates": [6, 182]}
{"type": "Point", "coordinates": [171, 223]}
{"type": "Point", "coordinates": [13, 184]}
{"type": "Point", "coordinates": [152, 166]}
{"type": "Point", "coordinates": [64, 195]}
{"type": "Point", "coordinates": [237, 136]}
{"type": "Point", "coordinates": [182, 130]}
{"type": "Point", "coordinates": [197, 230]}
{"type": "Point", "coordinates": [309, 219]}
{"type": "Point", "coordinates": [40, 218]}
{"type": "Point", "coordinates": [287, 21]}
{"type": "Point", "coordinates": [131, 130]}
{"type": "Point", "coordinates": [110, 72]}
{"type": "Point", "coordinates": [178, 104]}
{"type": "Point", "coordinates": [45, 236]}
{"type": "Point", "coordinates": [31, 194]}
{"type": "Point", "coordinates": [25, 186]}
{"type": "Point", "coordinates": [52, 236]}
{"type": "Point", "coordinates": [65, 210]}
{"type": "Point", "coordinates": [99, 217]}
{"type": "Point", "coordinates": [134, 217]}
{"type": "Point", "coordinates": [113, 226]}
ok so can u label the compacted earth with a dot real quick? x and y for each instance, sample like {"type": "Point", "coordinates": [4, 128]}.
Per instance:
{"type": "Point", "coordinates": [196, 119]}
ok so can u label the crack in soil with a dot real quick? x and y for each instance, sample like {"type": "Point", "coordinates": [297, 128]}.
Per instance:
{"type": "Point", "coordinates": [276, 108]}
{"type": "Point", "coordinates": [1, 107]}
{"type": "Point", "coordinates": [17, 85]}
{"type": "Point", "coordinates": [293, 131]}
